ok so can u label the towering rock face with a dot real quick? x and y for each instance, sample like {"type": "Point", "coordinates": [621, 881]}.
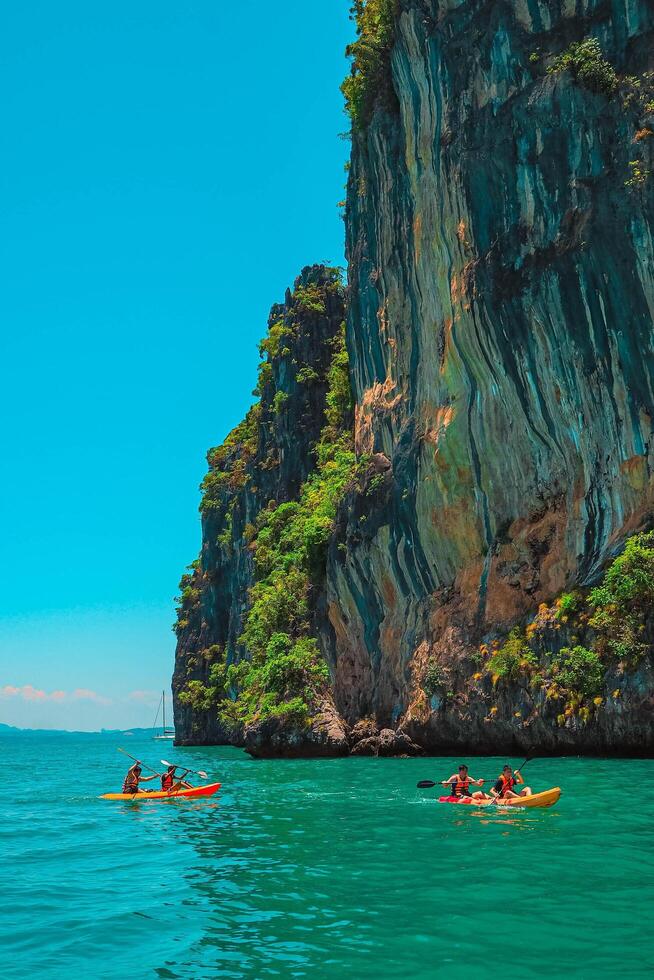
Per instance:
{"type": "Point", "coordinates": [501, 269]}
{"type": "Point", "coordinates": [500, 336]}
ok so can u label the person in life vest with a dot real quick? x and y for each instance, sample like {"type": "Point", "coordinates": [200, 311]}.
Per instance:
{"type": "Point", "coordinates": [168, 780]}
{"type": "Point", "coordinates": [460, 785]}
{"type": "Point", "coordinates": [134, 777]}
{"type": "Point", "coordinates": [504, 787]}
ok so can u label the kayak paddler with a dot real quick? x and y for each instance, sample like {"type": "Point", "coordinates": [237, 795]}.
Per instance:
{"type": "Point", "coordinates": [168, 780]}
{"type": "Point", "coordinates": [134, 777]}
{"type": "Point", "coordinates": [503, 788]}
{"type": "Point", "coordinates": [460, 784]}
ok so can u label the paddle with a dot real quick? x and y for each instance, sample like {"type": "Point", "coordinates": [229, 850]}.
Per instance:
{"type": "Point", "coordinates": [428, 783]}
{"type": "Point", "coordinates": [134, 759]}
{"type": "Point", "coordinates": [200, 772]}
{"type": "Point", "coordinates": [180, 784]}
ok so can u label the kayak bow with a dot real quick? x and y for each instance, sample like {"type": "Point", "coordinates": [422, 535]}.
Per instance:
{"type": "Point", "coordinates": [164, 795]}
{"type": "Point", "coordinates": [547, 798]}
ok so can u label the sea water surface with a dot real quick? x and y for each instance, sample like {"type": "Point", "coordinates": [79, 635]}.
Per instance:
{"type": "Point", "coordinates": [322, 869]}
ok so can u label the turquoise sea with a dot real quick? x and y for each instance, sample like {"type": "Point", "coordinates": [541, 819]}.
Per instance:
{"type": "Point", "coordinates": [322, 869]}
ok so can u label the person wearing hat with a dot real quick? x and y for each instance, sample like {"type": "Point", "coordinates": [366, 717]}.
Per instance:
{"type": "Point", "coordinates": [134, 777]}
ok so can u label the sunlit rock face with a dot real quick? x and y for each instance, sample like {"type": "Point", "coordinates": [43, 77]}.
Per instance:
{"type": "Point", "coordinates": [501, 308]}
{"type": "Point", "coordinates": [500, 322]}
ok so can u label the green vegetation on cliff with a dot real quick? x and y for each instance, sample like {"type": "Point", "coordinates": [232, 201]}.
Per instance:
{"type": "Point", "coordinates": [369, 79]}
{"type": "Point", "coordinates": [612, 620]}
{"type": "Point", "coordinates": [283, 673]}
{"type": "Point", "coordinates": [228, 463]}
{"type": "Point", "coordinates": [585, 61]}
{"type": "Point", "coordinates": [622, 602]}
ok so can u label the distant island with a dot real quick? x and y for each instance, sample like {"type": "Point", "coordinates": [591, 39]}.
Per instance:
{"type": "Point", "coordinates": [12, 730]}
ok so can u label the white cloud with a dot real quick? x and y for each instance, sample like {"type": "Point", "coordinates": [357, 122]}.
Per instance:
{"type": "Point", "coordinates": [83, 694]}
{"type": "Point", "coordinates": [144, 697]}
{"type": "Point", "coordinates": [30, 693]}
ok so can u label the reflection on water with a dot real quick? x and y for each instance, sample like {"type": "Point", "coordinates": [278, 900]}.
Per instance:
{"type": "Point", "coordinates": [320, 869]}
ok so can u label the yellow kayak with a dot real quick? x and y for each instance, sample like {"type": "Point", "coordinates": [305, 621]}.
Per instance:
{"type": "Point", "coordinates": [184, 794]}
{"type": "Point", "coordinates": [547, 798]}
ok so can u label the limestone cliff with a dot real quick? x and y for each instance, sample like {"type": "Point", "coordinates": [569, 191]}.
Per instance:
{"type": "Point", "coordinates": [499, 223]}
{"type": "Point", "coordinates": [247, 605]}
{"type": "Point", "coordinates": [499, 233]}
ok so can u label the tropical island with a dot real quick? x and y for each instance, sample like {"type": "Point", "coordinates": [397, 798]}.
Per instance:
{"type": "Point", "coordinates": [432, 531]}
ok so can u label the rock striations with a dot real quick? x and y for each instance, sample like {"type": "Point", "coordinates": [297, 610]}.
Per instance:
{"type": "Point", "coordinates": [500, 217]}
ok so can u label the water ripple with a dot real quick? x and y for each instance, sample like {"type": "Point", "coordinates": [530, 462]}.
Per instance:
{"type": "Point", "coordinates": [313, 869]}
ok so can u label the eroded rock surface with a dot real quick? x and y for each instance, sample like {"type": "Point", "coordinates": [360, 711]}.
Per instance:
{"type": "Point", "coordinates": [500, 332]}
{"type": "Point", "coordinates": [501, 304]}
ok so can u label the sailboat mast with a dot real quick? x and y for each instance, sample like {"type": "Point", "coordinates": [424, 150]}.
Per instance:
{"type": "Point", "coordinates": [163, 698]}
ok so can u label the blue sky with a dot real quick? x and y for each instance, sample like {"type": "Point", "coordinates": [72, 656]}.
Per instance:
{"type": "Point", "coordinates": [167, 169]}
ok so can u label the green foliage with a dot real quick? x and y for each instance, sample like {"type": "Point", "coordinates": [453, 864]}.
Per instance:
{"type": "Point", "coordinates": [307, 375]}
{"type": "Point", "coordinates": [199, 696]}
{"type": "Point", "coordinates": [280, 333]}
{"type": "Point", "coordinates": [585, 61]}
{"type": "Point", "coordinates": [228, 462]}
{"type": "Point", "coordinates": [310, 298]}
{"type": "Point", "coordinates": [620, 609]}
{"type": "Point", "coordinates": [629, 581]}
{"type": "Point", "coordinates": [293, 712]}
{"type": "Point", "coordinates": [374, 484]}
{"type": "Point", "coordinates": [288, 665]}
{"type": "Point", "coordinates": [224, 539]}
{"type": "Point", "coordinates": [338, 402]}
{"type": "Point", "coordinates": [579, 671]}
{"type": "Point", "coordinates": [190, 597]}
{"type": "Point", "coordinates": [435, 679]}
{"type": "Point", "coordinates": [624, 600]}
{"type": "Point", "coordinates": [188, 602]}
{"type": "Point", "coordinates": [614, 616]}
{"type": "Point", "coordinates": [280, 399]}
{"type": "Point", "coordinates": [639, 174]}
{"type": "Point", "coordinates": [568, 604]}
{"type": "Point", "coordinates": [370, 70]}
{"type": "Point", "coordinates": [513, 659]}
{"type": "Point", "coordinates": [264, 377]}
{"type": "Point", "coordinates": [285, 672]}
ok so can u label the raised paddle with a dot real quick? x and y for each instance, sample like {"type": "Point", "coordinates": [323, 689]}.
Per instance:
{"type": "Point", "coordinates": [200, 772]}
{"type": "Point", "coordinates": [428, 783]}
{"type": "Point", "coordinates": [134, 759]}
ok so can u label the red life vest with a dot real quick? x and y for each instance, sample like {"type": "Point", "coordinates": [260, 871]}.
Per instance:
{"type": "Point", "coordinates": [167, 780]}
{"type": "Point", "coordinates": [508, 782]}
{"type": "Point", "coordinates": [131, 784]}
{"type": "Point", "coordinates": [461, 786]}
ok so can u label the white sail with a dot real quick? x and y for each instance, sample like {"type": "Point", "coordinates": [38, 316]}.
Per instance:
{"type": "Point", "coordinates": [168, 733]}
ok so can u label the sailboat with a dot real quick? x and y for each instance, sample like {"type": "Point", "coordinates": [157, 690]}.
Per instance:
{"type": "Point", "coordinates": [168, 733]}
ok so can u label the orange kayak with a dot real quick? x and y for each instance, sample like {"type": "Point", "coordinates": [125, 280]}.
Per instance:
{"type": "Point", "coordinates": [547, 798]}
{"type": "Point", "coordinates": [185, 794]}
